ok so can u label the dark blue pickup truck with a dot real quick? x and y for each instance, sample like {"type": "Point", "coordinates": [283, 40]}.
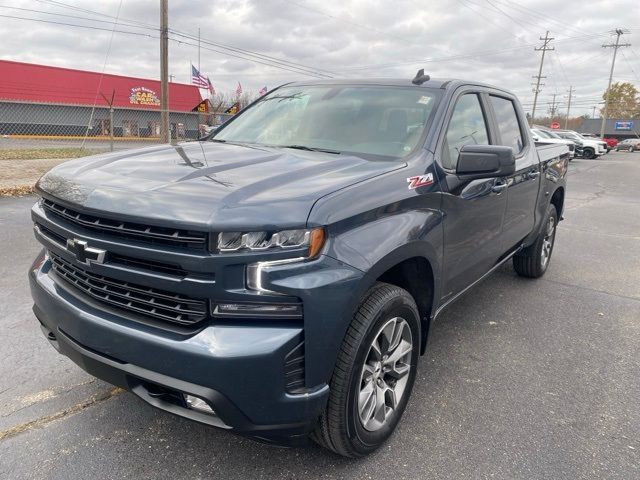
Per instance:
{"type": "Point", "coordinates": [278, 278]}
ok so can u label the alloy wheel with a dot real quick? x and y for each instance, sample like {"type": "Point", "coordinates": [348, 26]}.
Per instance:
{"type": "Point", "coordinates": [547, 241]}
{"type": "Point", "coordinates": [385, 373]}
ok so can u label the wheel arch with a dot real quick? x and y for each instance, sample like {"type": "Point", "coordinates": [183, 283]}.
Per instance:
{"type": "Point", "coordinates": [415, 269]}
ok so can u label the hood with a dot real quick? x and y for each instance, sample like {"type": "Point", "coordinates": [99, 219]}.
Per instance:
{"type": "Point", "coordinates": [209, 185]}
{"type": "Point", "coordinates": [592, 142]}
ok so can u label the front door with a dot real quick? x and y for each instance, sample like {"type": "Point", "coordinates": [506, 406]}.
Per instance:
{"type": "Point", "coordinates": [474, 210]}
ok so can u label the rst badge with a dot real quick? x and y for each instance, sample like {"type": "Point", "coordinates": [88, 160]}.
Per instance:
{"type": "Point", "coordinates": [420, 181]}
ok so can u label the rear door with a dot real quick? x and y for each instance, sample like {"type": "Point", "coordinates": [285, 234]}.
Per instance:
{"type": "Point", "coordinates": [473, 209]}
{"type": "Point", "coordinates": [524, 185]}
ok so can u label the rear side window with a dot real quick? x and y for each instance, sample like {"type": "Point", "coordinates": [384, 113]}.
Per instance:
{"type": "Point", "coordinates": [466, 127]}
{"type": "Point", "coordinates": [508, 125]}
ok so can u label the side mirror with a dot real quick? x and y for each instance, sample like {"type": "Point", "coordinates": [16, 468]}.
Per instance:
{"type": "Point", "coordinates": [486, 161]}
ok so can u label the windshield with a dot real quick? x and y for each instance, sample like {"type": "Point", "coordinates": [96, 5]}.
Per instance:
{"type": "Point", "coordinates": [368, 120]}
{"type": "Point", "coordinates": [571, 135]}
{"type": "Point", "coordinates": [554, 135]}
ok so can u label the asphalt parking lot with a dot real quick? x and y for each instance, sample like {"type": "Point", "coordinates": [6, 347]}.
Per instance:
{"type": "Point", "coordinates": [521, 379]}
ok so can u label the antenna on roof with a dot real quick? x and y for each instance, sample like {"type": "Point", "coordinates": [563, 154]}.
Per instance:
{"type": "Point", "coordinates": [420, 77]}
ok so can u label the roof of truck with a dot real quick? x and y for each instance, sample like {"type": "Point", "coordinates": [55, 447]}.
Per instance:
{"type": "Point", "coordinates": [400, 82]}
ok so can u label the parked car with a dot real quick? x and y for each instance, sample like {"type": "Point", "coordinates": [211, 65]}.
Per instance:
{"type": "Point", "coordinates": [591, 147]}
{"type": "Point", "coordinates": [543, 137]}
{"type": "Point", "coordinates": [629, 145]}
{"type": "Point", "coordinates": [278, 279]}
{"type": "Point", "coordinates": [611, 142]}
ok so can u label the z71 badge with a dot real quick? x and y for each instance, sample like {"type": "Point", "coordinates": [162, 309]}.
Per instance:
{"type": "Point", "coordinates": [420, 181]}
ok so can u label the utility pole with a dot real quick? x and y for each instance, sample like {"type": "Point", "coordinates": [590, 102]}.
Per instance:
{"type": "Point", "coordinates": [165, 134]}
{"type": "Point", "coordinates": [553, 107]}
{"type": "Point", "coordinates": [594, 111]}
{"type": "Point", "coordinates": [619, 32]}
{"type": "Point", "coordinates": [566, 120]}
{"type": "Point", "coordinates": [171, 75]}
{"type": "Point", "coordinates": [536, 90]}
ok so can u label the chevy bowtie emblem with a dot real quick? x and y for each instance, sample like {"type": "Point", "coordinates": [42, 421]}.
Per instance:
{"type": "Point", "coordinates": [84, 253]}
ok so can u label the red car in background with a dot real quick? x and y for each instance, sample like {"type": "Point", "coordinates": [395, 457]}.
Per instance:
{"type": "Point", "coordinates": [611, 142]}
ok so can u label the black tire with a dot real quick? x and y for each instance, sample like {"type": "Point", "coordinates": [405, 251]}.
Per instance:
{"type": "Point", "coordinates": [589, 153]}
{"type": "Point", "coordinates": [631, 149]}
{"type": "Point", "coordinates": [340, 428]}
{"type": "Point", "coordinates": [533, 261]}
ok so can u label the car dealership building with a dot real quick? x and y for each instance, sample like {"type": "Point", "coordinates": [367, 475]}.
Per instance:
{"type": "Point", "coordinates": [39, 100]}
{"type": "Point", "coordinates": [614, 128]}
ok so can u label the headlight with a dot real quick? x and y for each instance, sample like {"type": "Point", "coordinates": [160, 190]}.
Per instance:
{"type": "Point", "coordinates": [313, 239]}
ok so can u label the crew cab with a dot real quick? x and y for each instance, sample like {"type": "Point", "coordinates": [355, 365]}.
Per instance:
{"type": "Point", "coordinates": [278, 278]}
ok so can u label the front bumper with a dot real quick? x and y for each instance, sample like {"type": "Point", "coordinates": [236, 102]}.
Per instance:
{"type": "Point", "coordinates": [237, 367]}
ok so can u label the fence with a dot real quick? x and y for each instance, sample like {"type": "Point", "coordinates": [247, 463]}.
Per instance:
{"type": "Point", "coordinates": [36, 136]}
{"type": "Point", "coordinates": [21, 119]}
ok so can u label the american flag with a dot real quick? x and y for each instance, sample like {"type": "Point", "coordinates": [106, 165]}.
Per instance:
{"type": "Point", "coordinates": [198, 79]}
{"type": "Point", "coordinates": [212, 90]}
{"type": "Point", "coordinates": [263, 90]}
{"type": "Point", "coordinates": [239, 89]}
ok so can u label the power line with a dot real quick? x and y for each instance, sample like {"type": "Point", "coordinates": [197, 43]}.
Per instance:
{"type": "Point", "coordinates": [136, 24]}
{"type": "Point", "coordinates": [78, 26]}
{"type": "Point", "coordinates": [476, 54]}
{"type": "Point", "coordinates": [630, 66]}
{"type": "Point", "coordinates": [267, 62]}
{"type": "Point", "coordinates": [98, 92]}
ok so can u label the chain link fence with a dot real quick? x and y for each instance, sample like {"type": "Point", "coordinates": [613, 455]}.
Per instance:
{"type": "Point", "coordinates": [34, 137]}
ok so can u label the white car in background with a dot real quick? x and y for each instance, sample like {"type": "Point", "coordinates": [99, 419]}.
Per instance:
{"type": "Point", "coordinates": [591, 147]}
{"type": "Point", "coordinates": [543, 136]}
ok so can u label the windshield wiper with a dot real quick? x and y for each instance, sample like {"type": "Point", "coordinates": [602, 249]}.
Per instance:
{"type": "Point", "coordinates": [311, 149]}
{"type": "Point", "coordinates": [217, 140]}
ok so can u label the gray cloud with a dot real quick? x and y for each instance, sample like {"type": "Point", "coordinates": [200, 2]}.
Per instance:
{"type": "Point", "coordinates": [490, 40]}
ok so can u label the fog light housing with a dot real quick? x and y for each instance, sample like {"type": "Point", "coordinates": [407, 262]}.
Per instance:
{"type": "Point", "coordinates": [198, 404]}
{"type": "Point", "coordinates": [275, 310]}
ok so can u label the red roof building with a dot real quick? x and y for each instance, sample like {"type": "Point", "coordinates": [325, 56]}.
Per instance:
{"type": "Point", "coordinates": [45, 84]}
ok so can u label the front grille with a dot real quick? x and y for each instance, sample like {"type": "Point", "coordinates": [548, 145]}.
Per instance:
{"type": "Point", "coordinates": [571, 147]}
{"type": "Point", "coordinates": [138, 299]}
{"type": "Point", "coordinates": [121, 260]}
{"type": "Point", "coordinates": [137, 231]}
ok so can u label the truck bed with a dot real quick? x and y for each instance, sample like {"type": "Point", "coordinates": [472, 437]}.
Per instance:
{"type": "Point", "coordinates": [548, 151]}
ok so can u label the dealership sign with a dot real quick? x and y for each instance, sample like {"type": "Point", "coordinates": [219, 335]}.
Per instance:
{"type": "Point", "coordinates": [143, 96]}
{"type": "Point", "coordinates": [624, 125]}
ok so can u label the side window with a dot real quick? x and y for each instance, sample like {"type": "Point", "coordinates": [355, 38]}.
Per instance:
{"type": "Point", "coordinates": [508, 124]}
{"type": "Point", "coordinates": [466, 127]}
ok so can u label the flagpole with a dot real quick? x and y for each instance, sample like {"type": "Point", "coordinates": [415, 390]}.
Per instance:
{"type": "Point", "coordinates": [198, 48]}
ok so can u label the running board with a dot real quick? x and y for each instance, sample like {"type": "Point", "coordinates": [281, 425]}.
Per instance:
{"type": "Point", "coordinates": [489, 272]}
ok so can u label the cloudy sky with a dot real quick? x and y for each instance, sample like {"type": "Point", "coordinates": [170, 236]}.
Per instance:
{"type": "Point", "coordinates": [269, 42]}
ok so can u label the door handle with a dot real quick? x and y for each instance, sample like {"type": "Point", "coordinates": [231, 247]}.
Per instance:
{"type": "Point", "coordinates": [534, 174]}
{"type": "Point", "coordinates": [499, 187]}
